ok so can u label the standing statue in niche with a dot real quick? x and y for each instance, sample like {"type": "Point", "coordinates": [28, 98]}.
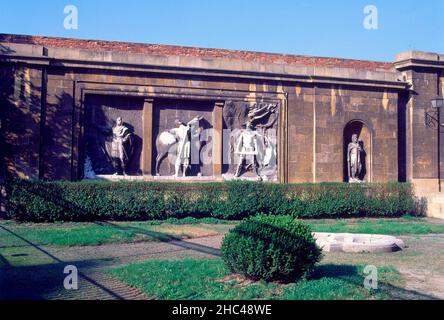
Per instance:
{"type": "Point", "coordinates": [122, 147]}
{"type": "Point", "coordinates": [183, 134]}
{"type": "Point", "coordinates": [247, 147]}
{"type": "Point", "coordinates": [354, 160]}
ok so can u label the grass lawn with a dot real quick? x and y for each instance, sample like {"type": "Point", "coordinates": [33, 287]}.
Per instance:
{"type": "Point", "coordinates": [89, 234]}
{"type": "Point", "coordinates": [401, 226]}
{"type": "Point", "coordinates": [208, 280]}
{"type": "Point", "coordinates": [338, 276]}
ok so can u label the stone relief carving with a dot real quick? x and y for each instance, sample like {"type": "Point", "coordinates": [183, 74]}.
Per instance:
{"type": "Point", "coordinates": [183, 138]}
{"type": "Point", "coordinates": [97, 142]}
{"type": "Point", "coordinates": [122, 147]}
{"type": "Point", "coordinates": [109, 150]}
{"type": "Point", "coordinates": [251, 145]}
{"type": "Point", "coordinates": [355, 153]}
{"type": "Point", "coordinates": [88, 169]}
{"type": "Point", "coordinates": [247, 148]}
{"type": "Point", "coordinates": [253, 137]}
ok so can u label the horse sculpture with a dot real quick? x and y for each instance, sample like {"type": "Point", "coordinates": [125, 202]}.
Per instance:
{"type": "Point", "coordinates": [164, 142]}
{"type": "Point", "coordinates": [168, 142]}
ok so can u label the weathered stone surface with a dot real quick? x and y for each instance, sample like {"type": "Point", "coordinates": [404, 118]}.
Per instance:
{"type": "Point", "coordinates": [319, 97]}
{"type": "Point", "coordinates": [358, 243]}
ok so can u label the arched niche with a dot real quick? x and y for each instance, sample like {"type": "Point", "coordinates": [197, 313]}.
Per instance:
{"type": "Point", "coordinates": [364, 135]}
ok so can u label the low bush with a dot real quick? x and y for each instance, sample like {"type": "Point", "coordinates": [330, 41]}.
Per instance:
{"type": "Point", "coordinates": [271, 248]}
{"type": "Point", "coordinates": [40, 201]}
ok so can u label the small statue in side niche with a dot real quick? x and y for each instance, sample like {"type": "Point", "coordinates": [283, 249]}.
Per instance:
{"type": "Point", "coordinates": [122, 147]}
{"type": "Point", "coordinates": [354, 160]}
{"type": "Point", "coordinates": [247, 146]}
{"type": "Point", "coordinates": [88, 169]}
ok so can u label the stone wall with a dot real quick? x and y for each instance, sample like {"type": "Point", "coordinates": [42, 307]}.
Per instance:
{"type": "Point", "coordinates": [423, 71]}
{"type": "Point", "coordinates": [317, 120]}
{"type": "Point", "coordinates": [20, 104]}
{"type": "Point", "coordinates": [317, 117]}
{"type": "Point", "coordinates": [315, 107]}
{"type": "Point", "coordinates": [425, 151]}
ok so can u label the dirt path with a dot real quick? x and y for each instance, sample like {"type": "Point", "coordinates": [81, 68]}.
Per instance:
{"type": "Point", "coordinates": [420, 264]}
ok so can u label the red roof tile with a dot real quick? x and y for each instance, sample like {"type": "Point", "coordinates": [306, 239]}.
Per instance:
{"type": "Point", "coordinates": [167, 50]}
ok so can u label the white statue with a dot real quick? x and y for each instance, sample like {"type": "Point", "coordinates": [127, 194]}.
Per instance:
{"type": "Point", "coordinates": [183, 134]}
{"type": "Point", "coordinates": [122, 146]}
{"type": "Point", "coordinates": [247, 146]}
{"type": "Point", "coordinates": [270, 153]}
{"type": "Point", "coordinates": [354, 160]}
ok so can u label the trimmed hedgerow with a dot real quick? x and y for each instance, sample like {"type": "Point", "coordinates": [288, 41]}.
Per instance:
{"type": "Point", "coordinates": [40, 201]}
{"type": "Point", "coordinates": [271, 248]}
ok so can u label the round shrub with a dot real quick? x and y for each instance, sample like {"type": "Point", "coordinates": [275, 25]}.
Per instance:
{"type": "Point", "coordinates": [271, 248]}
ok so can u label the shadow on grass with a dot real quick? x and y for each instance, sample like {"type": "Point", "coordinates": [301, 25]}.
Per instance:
{"type": "Point", "coordinates": [334, 271]}
{"type": "Point", "coordinates": [162, 237]}
{"type": "Point", "coordinates": [42, 281]}
{"type": "Point", "coordinates": [34, 282]}
{"type": "Point", "coordinates": [352, 275]}
{"type": "Point", "coordinates": [3, 262]}
{"type": "Point", "coordinates": [46, 281]}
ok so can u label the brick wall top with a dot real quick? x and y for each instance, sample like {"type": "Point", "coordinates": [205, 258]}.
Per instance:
{"type": "Point", "coordinates": [167, 50]}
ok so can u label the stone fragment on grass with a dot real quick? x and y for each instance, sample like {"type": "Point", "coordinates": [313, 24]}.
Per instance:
{"type": "Point", "coordinates": [358, 243]}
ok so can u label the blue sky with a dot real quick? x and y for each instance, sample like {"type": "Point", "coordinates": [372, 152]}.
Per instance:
{"type": "Point", "coordinates": [316, 27]}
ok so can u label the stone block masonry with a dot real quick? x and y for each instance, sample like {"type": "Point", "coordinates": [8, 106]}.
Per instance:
{"type": "Point", "coordinates": [51, 87]}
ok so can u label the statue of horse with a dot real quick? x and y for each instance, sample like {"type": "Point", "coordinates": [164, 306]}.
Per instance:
{"type": "Point", "coordinates": [168, 139]}
{"type": "Point", "coordinates": [164, 142]}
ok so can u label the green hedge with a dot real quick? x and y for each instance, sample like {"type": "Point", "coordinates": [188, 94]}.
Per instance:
{"type": "Point", "coordinates": [271, 248]}
{"type": "Point", "coordinates": [88, 201]}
